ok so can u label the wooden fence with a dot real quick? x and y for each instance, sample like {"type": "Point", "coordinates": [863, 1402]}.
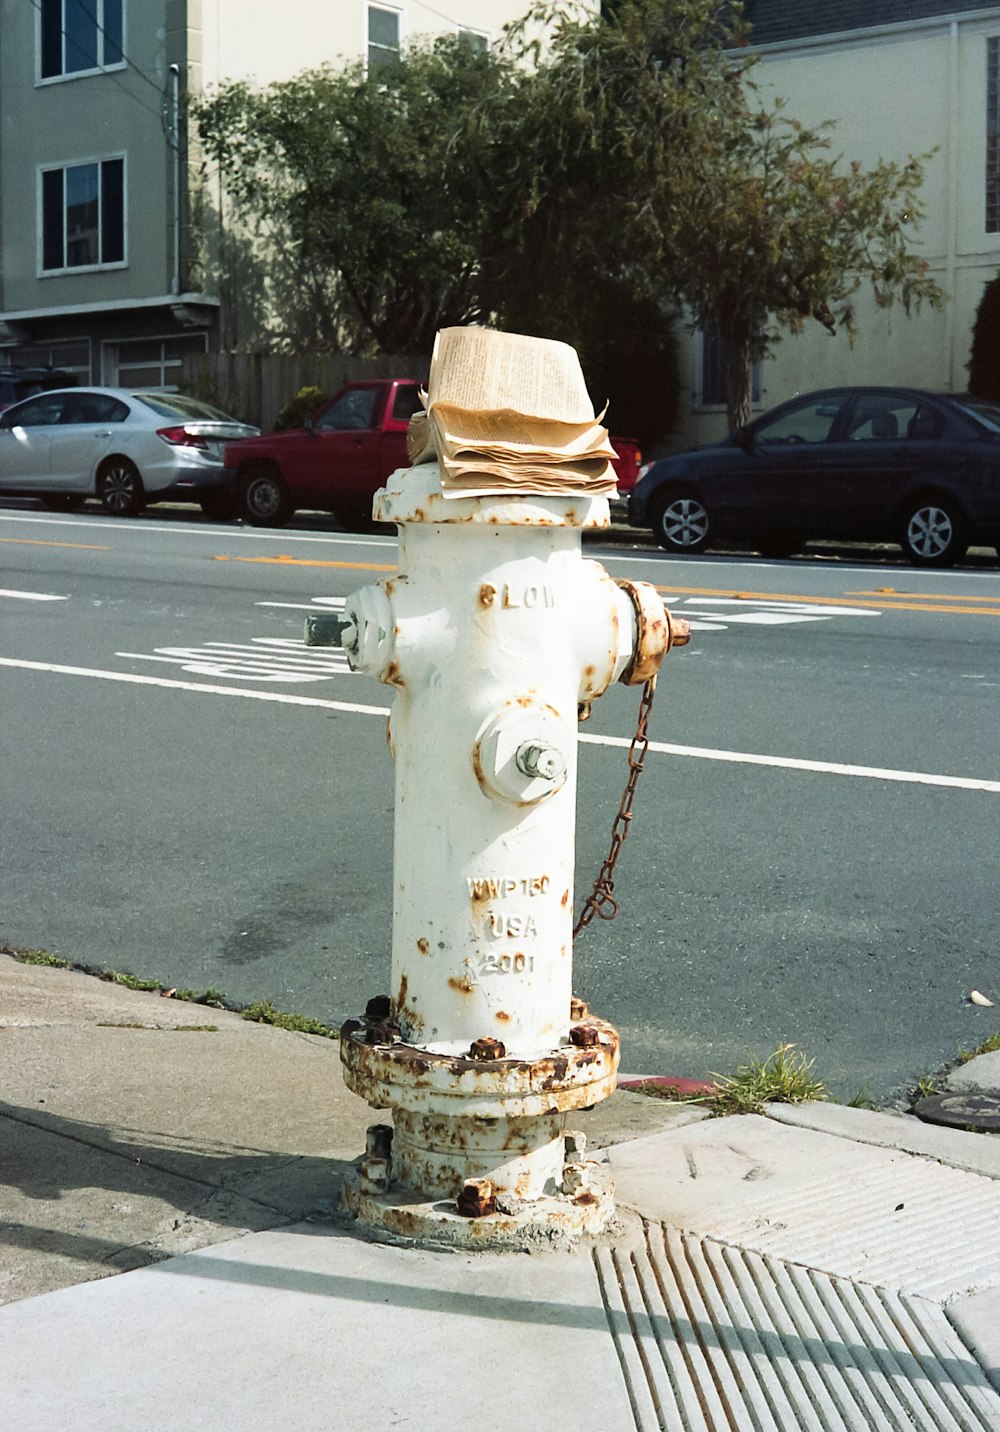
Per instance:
{"type": "Point", "coordinates": [256, 386]}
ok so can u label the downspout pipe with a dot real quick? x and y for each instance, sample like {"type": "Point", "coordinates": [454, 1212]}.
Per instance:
{"type": "Point", "coordinates": [174, 141]}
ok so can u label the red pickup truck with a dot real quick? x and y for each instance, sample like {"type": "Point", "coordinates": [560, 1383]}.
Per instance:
{"type": "Point", "coordinates": [343, 456]}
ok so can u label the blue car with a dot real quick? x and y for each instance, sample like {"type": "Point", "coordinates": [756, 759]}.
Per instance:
{"type": "Point", "coordinates": [848, 464]}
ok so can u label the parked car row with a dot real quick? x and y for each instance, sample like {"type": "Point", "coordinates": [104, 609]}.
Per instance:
{"type": "Point", "coordinates": [850, 464]}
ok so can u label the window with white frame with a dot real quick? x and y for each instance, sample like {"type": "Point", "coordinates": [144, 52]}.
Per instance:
{"type": "Point", "coordinates": [149, 362]}
{"type": "Point", "coordinates": [72, 355]}
{"type": "Point", "coordinates": [993, 136]}
{"type": "Point", "coordinates": [83, 215]}
{"type": "Point", "coordinates": [713, 373]}
{"type": "Point", "coordinates": [79, 35]}
{"type": "Point", "coordinates": [383, 37]}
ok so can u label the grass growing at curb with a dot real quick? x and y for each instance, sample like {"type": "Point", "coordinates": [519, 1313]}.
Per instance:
{"type": "Point", "coordinates": [263, 1012]}
{"type": "Point", "coordinates": [784, 1077]}
{"type": "Point", "coordinates": [258, 1012]}
{"type": "Point", "coordinates": [36, 957]}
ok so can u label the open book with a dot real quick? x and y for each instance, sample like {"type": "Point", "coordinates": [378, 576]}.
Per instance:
{"type": "Point", "coordinates": [507, 413]}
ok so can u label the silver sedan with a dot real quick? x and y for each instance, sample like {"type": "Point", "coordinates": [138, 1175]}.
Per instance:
{"type": "Point", "coordinates": [124, 447]}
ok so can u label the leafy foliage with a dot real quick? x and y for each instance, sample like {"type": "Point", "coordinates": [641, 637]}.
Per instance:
{"type": "Point", "coordinates": [588, 180]}
{"type": "Point", "coordinates": [984, 361]}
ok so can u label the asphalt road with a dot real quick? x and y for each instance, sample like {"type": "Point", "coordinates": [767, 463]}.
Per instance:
{"type": "Point", "coordinates": [189, 794]}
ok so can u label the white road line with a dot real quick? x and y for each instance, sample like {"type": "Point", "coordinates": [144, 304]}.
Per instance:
{"type": "Point", "coordinates": [95, 524]}
{"type": "Point", "coordinates": [832, 768]}
{"type": "Point", "coordinates": [792, 763]}
{"type": "Point", "coordinates": [33, 596]}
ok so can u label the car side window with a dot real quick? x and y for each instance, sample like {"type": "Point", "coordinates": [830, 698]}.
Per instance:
{"type": "Point", "coordinates": [926, 425]}
{"type": "Point", "coordinates": [881, 417]}
{"type": "Point", "coordinates": [406, 403]}
{"type": "Point", "coordinates": [352, 411]}
{"type": "Point", "coordinates": [808, 422]}
{"type": "Point", "coordinates": [93, 408]}
{"type": "Point", "coordinates": [39, 412]}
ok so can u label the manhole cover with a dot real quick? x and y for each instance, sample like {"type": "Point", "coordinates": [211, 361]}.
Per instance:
{"type": "Point", "coordinates": [961, 1110]}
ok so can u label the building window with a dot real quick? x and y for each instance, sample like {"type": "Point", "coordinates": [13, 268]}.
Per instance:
{"type": "Point", "coordinates": [72, 356]}
{"type": "Point", "coordinates": [150, 362]}
{"type": "Point", "coordinates": [79, 35]}
{"type": "Point", "coordinates": [713, 373]}
{"type": "Point", "coordinates": [993, 136]}
{"type": "Point", "coordinates": [383, 38]}
{"type": "Point", "coordinates": [474, 40]}
{"type": "Point", "coordinates": [83, 216]}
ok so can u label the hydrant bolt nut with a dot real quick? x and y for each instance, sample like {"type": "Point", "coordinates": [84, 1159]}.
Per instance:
{"type": "Point", "coordinates": [575, 1144]}
{"type": "Point", "coordinates": [584, 1036]}
{"type": "Point", "coordinates": [576, 1177]}
{"type": "Point", "coordinates": [578, 1008]}
{"type": "Point", "coordinates": [487, 1049]}
{"type": "Point", "coordinates": [535, 759]}
{"type": "Point", "coordinates": [378, 1141]}
{"type": "Point", "coordinates": [378, 1007]}
{"type": "Point", "coordinates": [476, 1199]}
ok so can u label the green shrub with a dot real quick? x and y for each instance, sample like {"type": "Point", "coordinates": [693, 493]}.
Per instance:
{"type": "Point", "coordinates": [298, 409]}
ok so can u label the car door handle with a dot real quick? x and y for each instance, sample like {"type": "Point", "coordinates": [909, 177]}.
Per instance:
{"type": "Point", "coordinates": [103, 434]}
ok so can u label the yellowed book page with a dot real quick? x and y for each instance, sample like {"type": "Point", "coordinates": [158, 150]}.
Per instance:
{"type": "Point", "coordinates": [552, 477]}
{"type": "Point", "coordinates": [481, 368]}
{"type": "Point", "coordinates": [509, 433]}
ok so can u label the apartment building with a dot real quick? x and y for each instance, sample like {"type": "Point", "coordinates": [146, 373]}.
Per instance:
{"type": "Point", "coordinates": [103, 263]}
{"type": "Point", "coordinates": [898, 77]}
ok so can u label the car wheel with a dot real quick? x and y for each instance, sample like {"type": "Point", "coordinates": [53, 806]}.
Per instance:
{"type": "Point", "coordinates": [219, 506]}
{"type": "Point", "coordinates": [61, 501]}
{"type": "Point", "coordinates": [681, 522]}
{"type": "Point", "coordinates": [934, 532]}
{"type": "Point", "coordinates": [120, 489]}
{"type": "Point", "coordinates": [264, 500]}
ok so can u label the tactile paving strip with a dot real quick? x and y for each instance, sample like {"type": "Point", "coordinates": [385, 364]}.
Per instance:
{"type": "Point", "coordinates": [718, 1339]}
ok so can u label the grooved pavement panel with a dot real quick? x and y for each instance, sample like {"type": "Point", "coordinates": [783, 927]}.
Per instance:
{"type": "Point", "coordinates": [714, 1338]}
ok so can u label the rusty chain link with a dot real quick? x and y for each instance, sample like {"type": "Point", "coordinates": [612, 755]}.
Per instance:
{"type": "Point", "coordinates": [601, 901]}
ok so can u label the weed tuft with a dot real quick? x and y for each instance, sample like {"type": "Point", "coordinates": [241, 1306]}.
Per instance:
{"type": "Point", "coordinates": [37, 957]}
{"type": "Point", "coordinates": [784, 1077]}
{"type": "Point", "coordinates": [262, 1011]}
{"type": "Point", "coordinates": [130, 981]}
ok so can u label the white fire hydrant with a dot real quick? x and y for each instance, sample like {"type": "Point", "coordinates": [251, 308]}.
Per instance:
{"type": "Point", "coordinates": [495, 632]}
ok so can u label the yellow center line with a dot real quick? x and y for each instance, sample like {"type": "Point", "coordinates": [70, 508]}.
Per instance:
{"type": "Point", "coordinates": [893, 596]}
{"type": "Point", "coordinates": [882, 604]}
{"type": "Point", "coordinates": [37, 542]}
{"type": "Point", "coordinates": [284, 561]}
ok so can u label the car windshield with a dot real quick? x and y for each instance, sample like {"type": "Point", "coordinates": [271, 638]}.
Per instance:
{"type": "Point", "coordinates": [984, 413]}
{"type": "Point", "coordinates": [177, 405]}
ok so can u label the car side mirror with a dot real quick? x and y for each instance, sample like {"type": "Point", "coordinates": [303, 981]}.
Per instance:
{"type": "Point", "coordinates": [309, 423]}
{"type": "Point", "coordinates": [743, 438]}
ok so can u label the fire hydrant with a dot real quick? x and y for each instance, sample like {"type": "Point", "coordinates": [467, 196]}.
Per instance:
{"type": "Point", "coordinates": [495, 633]}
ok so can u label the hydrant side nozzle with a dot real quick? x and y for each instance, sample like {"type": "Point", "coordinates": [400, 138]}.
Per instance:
{"type": "Point", "coordinates": [655, 632]}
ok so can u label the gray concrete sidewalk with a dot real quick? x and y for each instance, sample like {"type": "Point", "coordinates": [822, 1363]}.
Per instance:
{"type": "Point", "coordinates": [812, 1267]}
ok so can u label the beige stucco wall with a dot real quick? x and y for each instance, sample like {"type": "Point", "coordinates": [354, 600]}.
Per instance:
{"type": "Point", "coordinates": [918, 89]}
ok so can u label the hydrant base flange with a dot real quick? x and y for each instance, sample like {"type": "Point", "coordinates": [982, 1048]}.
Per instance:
{"type": "Point", "coordinates": [550, 1222]}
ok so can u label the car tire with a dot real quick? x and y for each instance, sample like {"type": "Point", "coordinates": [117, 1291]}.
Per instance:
{"type": "Point", "coordinates": [120, 488]}
{"type": "Point", "coordinates": [933, 533]}
{"type": "Point", "coordinates": [264, 500]}
{"type": "Point", "coordinates": [219, 506]}
{"type": "Point", "coordinates": [62, 501]}
{"type": "Point", "coordinates": [680, 521]}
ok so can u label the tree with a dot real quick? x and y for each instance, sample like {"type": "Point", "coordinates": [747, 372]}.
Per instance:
{"type": "Point", "coordinates": [984, 361]}
{"type": "Point", "coordinates": [641, 148]}
{"type": "Point", "coordinates": [357, 184]}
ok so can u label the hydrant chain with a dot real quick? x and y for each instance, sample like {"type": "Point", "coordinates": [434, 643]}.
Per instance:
{"type": "Point", "coordinates": [601, 900]}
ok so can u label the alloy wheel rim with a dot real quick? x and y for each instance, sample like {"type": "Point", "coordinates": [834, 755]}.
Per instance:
{"type": "Point", "coordinates": [685, 522]}
{"type": "Point", "coordinates": [119, 488]}
{"type": "Point", "coordinates": [930, 532]}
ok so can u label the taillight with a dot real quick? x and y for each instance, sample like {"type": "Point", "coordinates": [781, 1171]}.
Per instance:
{"type": "Point", "coordinates": [180, 437]}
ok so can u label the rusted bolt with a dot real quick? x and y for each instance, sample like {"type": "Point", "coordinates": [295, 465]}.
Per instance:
{"type": "Point", "coordinates": [487, 1048]}
{"type": "Point", "coordinates": [378, 1008]}
{"type": "Point", "coordinates": [575, 1142]}
{"type": "Point", "coordinates": [578, 1008]}
{"type": "Point", "coordinates": [378, 1141]}
{"type": "Point", "coordinates": [680, 630]}
{"type": "Point", "coordinates": [476, 1199]}
{"type": "Point", "coordinates": [584, 1036]}
{"type": "Point", "coordinates": [374, 1174]}
{"type": "Point", "coordinates": [576, 1177]}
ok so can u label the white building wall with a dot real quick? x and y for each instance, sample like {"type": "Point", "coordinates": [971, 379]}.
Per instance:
{"type": "Point", "coordinates": [915, 89]}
